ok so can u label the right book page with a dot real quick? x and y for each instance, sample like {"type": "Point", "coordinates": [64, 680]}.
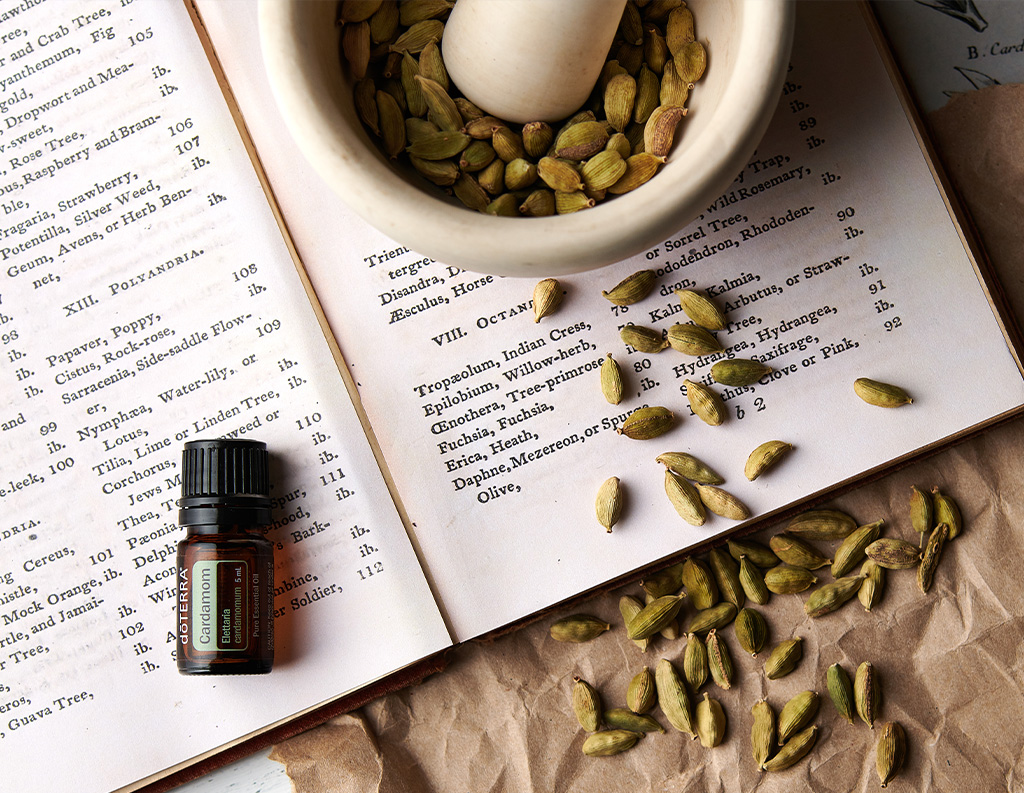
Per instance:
{"type": "Point", "coordinates": [832, 254]}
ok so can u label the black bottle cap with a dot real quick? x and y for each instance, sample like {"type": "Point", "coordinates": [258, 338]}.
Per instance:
{"type": "Point", "coordinates": [224, 473]}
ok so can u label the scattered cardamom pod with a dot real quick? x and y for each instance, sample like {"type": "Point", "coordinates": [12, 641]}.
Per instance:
{"type": "Point", "coordinates": [609, 742]}
{"type": "Point", "coordinates": [762, 732]}
{"type": "Point", "coordinates": [586, 704]}
{"type": "Point", "coordinates": [695, 662]}
{"type": "Point", "coordinates": [578, 628]}
{"type": "Point", "coordinates": [608, 505]}
{"type": "Point", "coordinates": [921, 510]}
{"type": "Point", "coordinates": [930, 557]}
{"type": "Point", "coordinates": [893, 553]}
{"type": "Point", "coordinates": [611, 379]}
{"type": "Point", "coordinates": [786, 579]}
{"type": "Point", "coordinates": [840, 690]}
{"type": "Point", "coordinates": [719, 660]}
{"type": "Point", "coordinates": [654, 616]}
{"type": "Point", "coordinates": [705, 403]}
{"type": "Point", "coordinates": [795, 750]}
{"type": "Point", "coordinates": [625, 719]}
{"type": "Point", "coordinates": [784, 658]}
{"type": "Point", "coordinates": [829, 597]}
{"type": "Point", "coordinates": [660, 129]}
{"type": "Point", "coordinates": [722, 502]}
{"type": "Point", "coordinates": [739, 372]}
{"type": "Point", "coordinates": [641, 694]}
{"type": "Point", "coordinates": [689, 467]}
{"type": "Point", "coordinates": [796, 552]}
{"type": "Point", "coordinates": [756, 552]}
{"type": "Point", "coordinates": [710, 618]}
{"type": "Point", "coordinates": [692, 339]}
{"type": "Point", "coordinates": [765, 456]}
{"type": "Point", "coordinates": [797, 713]}
{"type": "Point", "coordinates": [822, 524]}
{"type": "Point", "coordinates": [890, 751]}
{"type": "Point", "coordinates": [547, 297]}
{"type": "Point", "coordinates": [629, 607]}
{"type": "Point", "coordinates": [701, 588]}
{"type": "Point", "coordinates": [710, 718]}
{"type": "Point", "coordinates": [850, 552]}
{"type": "Point", "coordinates": [672, 697]}
{"type": "Point", "coordinates": [631, 289]}
{"type": "Point", "coordinates": [684, 498]}
{"type": "Point", "coordinates": [751, 630]}
{"type": "Point", "coordinates": [873, 585]}
{"type": "Point", "coordinates": [752, 581]}
{"type": "Point", "coordinates": [643, 339]}
{"type": "Point", "coordinates": [727, 575]}
{"type": "Point", "coordinates": [867, 694]}
{"type": "Point", "coordinates": [880, 394]}
{"type": "Point", "coordinates": [946, 511]}
{"type": "Point", "coordinates": [646, 423]}
{"type": "Point", "coordinates": [666, 581]}
{"type": "Point", "coordinates": [701, 309]}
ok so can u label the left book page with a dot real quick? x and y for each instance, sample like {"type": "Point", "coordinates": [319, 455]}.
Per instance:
{"type": "Point", "coordinates": [147, 298]}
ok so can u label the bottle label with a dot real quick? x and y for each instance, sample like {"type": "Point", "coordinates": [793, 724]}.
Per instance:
{"type": "Point", "coordinates": [221, 610]}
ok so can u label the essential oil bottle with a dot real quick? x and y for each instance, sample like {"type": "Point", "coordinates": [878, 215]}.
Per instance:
{"type": "Point", "coordinates": [225, 563]}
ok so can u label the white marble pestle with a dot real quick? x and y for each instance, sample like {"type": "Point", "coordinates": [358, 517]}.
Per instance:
{"type": "Point", "coordinates": [529, 60]}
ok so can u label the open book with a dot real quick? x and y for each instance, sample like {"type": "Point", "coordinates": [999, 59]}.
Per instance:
{"type": "Point", "coordinates": [435, 453]}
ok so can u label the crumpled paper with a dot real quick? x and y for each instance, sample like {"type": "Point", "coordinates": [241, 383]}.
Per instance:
{"type": "Point", "coordinates": [950, 662]}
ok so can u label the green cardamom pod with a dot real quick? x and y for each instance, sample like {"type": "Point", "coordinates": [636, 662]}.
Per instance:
{"type": "Point", "coordinates": [799, 553]}
{"type": "Point", "coordinates": [629, 607]}
{"type": "Point", "coordinates": [921, 510]}
{"type": "Point", "coordinates": [547, 297]}
{"type": "Point", "coordinates": [752, 581]}
{"type": "Point", "coordinates": [947, 511]}
{"type": "Point", "coordinates": [739, 372]}
{"type": "Point", "coordinates": [722, 502]}
{"type": "Point", "coordinates": [719, 660]}
{"type": "Point", "coordinates": [586, 704]}
{"type": "Point", "coordinates": [705, 403]}
{"type": "Point", "coordinates": [850, 552]}
{"type": "Point", "coordinates": [689, 467]}
{"type": "Point", "coordinates": [646, 423]}
{"type": "Point", "coordinates": [581, 140]}
{"type": "Point", "coordinates": [685, 499]}
{"type": "Point", "coordinates": [880, 394]}
{"type": "Point", "coordinates": [765, 456]}
{"type": "Point", "coordinates": [608, 504]}
{"type": "Point", "coordinates": [715, 617]}
{"type": "Point", "coordinates": [611, 380]}
{"type": "Point", "coordinates": [643, 339]}
{"type": "Point", "coordinates": [787, 579]}
{"type": "Point", "coordinates": [666, 581]}
{"type": "Point", "coordinates": [751, 630]}
{"type": "Point", "coordinates": [867, 694]}
{"type": "Point", "coordinates": [609, 742]}
{"type": "Point", "coordinates": [930, 557]}
{"type": "Point", "coordinates": [727, 576]}
{"type": "Point", "coordinates": [693, 339]}
{"type": "Point", "coordinates": [840, 690]}
{"type": "Point", "coordinates": [625, 719]}
{"type": "Point", "coordinates": [822, 524]}
{"type": "Point", "coordinates": [784, 658]}
{"type": "Point", "coordinates": [893, 553]}
{"type": "Point", "coordinates": [710, 718]}
{"type": "Point", "coordinates": [829, 597]}
{"type": "Point", "coordinates": [578, 628]}
{"type": "Point", "coordinates": [890, 751]}
{"type": "Point", "coordinates": [701, 588]}
{"type": "Point", "coordinates": [672, 697]}
{"type": "Point", "coordinates": [795, 750]}
{"type": "Point", "coordinates": [538, 204]}
{"type": "Point", "coordinates": [631, 289]}
{"type": "Point", "coordinates": [654, 616]}
{"type": "Point", "coordinates": [641, 694]}
{"type": "Point", "coordinates": [701, 308]}
{"type": "Point", "coordinates": [873, 585]}
{"type": "Point", "coordinates": [755, 551]}
{"type": "Point", "coordinates": [695, 662]}
{"type": "Point", "coordinates": [762, 732]}
{"type": "Point", "coordinates": [797, 714]}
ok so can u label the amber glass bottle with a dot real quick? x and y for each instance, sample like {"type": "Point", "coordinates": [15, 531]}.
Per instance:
{"type": "Point", "coordinates": [225, 564]}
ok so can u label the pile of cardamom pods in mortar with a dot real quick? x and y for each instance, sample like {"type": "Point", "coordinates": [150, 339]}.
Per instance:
{"type": "Point", "coordinates": [392, 51]}
{"type": "Point", "coordinates": [726, 587]}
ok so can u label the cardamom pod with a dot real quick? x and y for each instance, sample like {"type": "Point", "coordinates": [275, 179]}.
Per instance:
{"type": "Point", "coordinates": [608, 505]}
{"type": "Point", "coordinates": [581, 140]}
{"type": "Point", "coordinates": [413, 11]}
{"type": "Point", "coordinates": [666, 581]}
{"type": "Point", "coordinates": [660, 130]}
{"type": "Point", "coordinates": [629, 607]}
{"type": "Point", "coordinates": [619, 99]}
{"type": "Point", "coordinates": [689, 467]}
{"type": "Point", "coordinates": [539, 203]}
{"type": "Point", "coordinates": [752, 581]}
{"type": "Point", "coordinates": [438, 146]}
{"type": "Point", "coordinates": [691, 62]}
{"type": "Point", "coordinates": [470, 193]}
{"type": "Point", "coordinates": [483, 128]}
{"type": "Point", "coordinates": [641, 694]}
{"type": "Point", "coordinates": [670, 630]}
{"type": "Point", "coordinates": [414, 101]}
{"type": "Point", "coordinates": [392, 124]}
{"type": "Point", "coordinates": [643, 339]}
{"type": "Point", "coordinates": [890, 751]}
{"type": "Point", "coordinates": [755, 551]}
{"type": "Point", "coordinates": [640, 168]}
{"type": "Point", "coordinates": [787, 579]}
{"type": "Point", "coordinates": [850, 552]}
{"type": "Point", "coordinates": [701, 309]}
{"type": "Point", "coordinates": [611, 380]}
{"type": "Point", "coordinates": [603, 170]}
{"type": "Point", "coordinates": [700, 584]}
{"type": "Point", "coordinates": [566, 203]}
{"type": "Point", "coordinates": [431, 65]}
{"type": "Point", "coordinates": [710, 718]}
{"type": "Point", "coordinates": [867, 694]}
{"type": "Point", "coordinates": [355, 45]}
{"type": "Point", "coordinates": [609, 742]}
{"type": "Point", "coordinates": [684, 497]}
{"type": "Point", "coordinates": [719, 660]}
{"type": "Point", "coordinates": [873, 585]}
{"type": "Point", "coordinates": [654, 616]}
{"type": "Point", "coordinates": [620, 144]}
{"type": "Point", "coordinates": [727, 576]}
{"type": "Point", "coordinates": [884, 395]}
{"type": "Point", "coordinates": [365, 97]}
{"type": "Point", "coordinates": [559, 175]}
{"type": "Point", "coordinates": [930, 557]}
{"type": "Point", "coordinates": [467, 109]}
{"type": "Point", "coordinates": [695, 662]}
{"type": "Point", "coordinates": [762, 732]}
{"type": "Point", "coordinates": [419, 128]}
{"type": "Point", "coordinates": [796, 552]}
{"type": "Point", "coordinates": [384, 23]}
{"type": "Point", "coordinates": [765, 456]}
{"type": "Point", "coordinates": [631, 289]}
{"type": "Point", "coordinates": [504, 205]}
{"type": "Point", "coordinates": [357, 10]}
{"type": "Point", "coordinates": [547, 297]}
{"type": "Point", "coordinates": [784, 658]}
{"type": "Point", "coordinates": [822, 524]}
{"type": "Point", "coordinates": [520, 174]}
{"type": "Point", "coordinates": [829, 597]}
{"type": "Point", "coordinates": [679, 29]}
{"type": "Point", "coordinates": [441, 172]}
{"type": "Point", "coordinates": [840, 690]}
{"type": "Point", "coordinates": [692, 339]}
{"type": "Point", "coordinates": [715, 617]}
{"type": "Point", "coordinates": [672, 697]}
{"type": "Point", "coordinates": [648, 88]}
{"type": "Point", "coordinates": [646, 423]}
{"type": "Point", "coordinates": [739, 372]}
{"type": "Point", "coordinates": [537, 138]}
{"type": "Point", "coordinates": [893, 553]}
{"type": "Point", "coordinates": [705, 403]}
{"type": "Point", "coordinates": [751, 630]}
{"type": "Point", "coordinates": [795, 750]}
{"type": "Point", "coordinates": [674, 90]}
{"type": "Point", "coordinates": [722, 502]}
{"type": "Point", "coordinates": [441, 108]}
{"type": "Point", "coordinates": [586, 704]}
{"type": "Point", "coordinates": [578, 628]}
{"type": "Point", "coordinates": [921, 510]}
{"type": "Point", "coordinates": [947, 511]}
{"type": "Point", "coordinates": [625, 719]}
{"type": "Point", "coordinates": [508, 144]}
{"type": "Point", "coordinates": [797, 714]}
